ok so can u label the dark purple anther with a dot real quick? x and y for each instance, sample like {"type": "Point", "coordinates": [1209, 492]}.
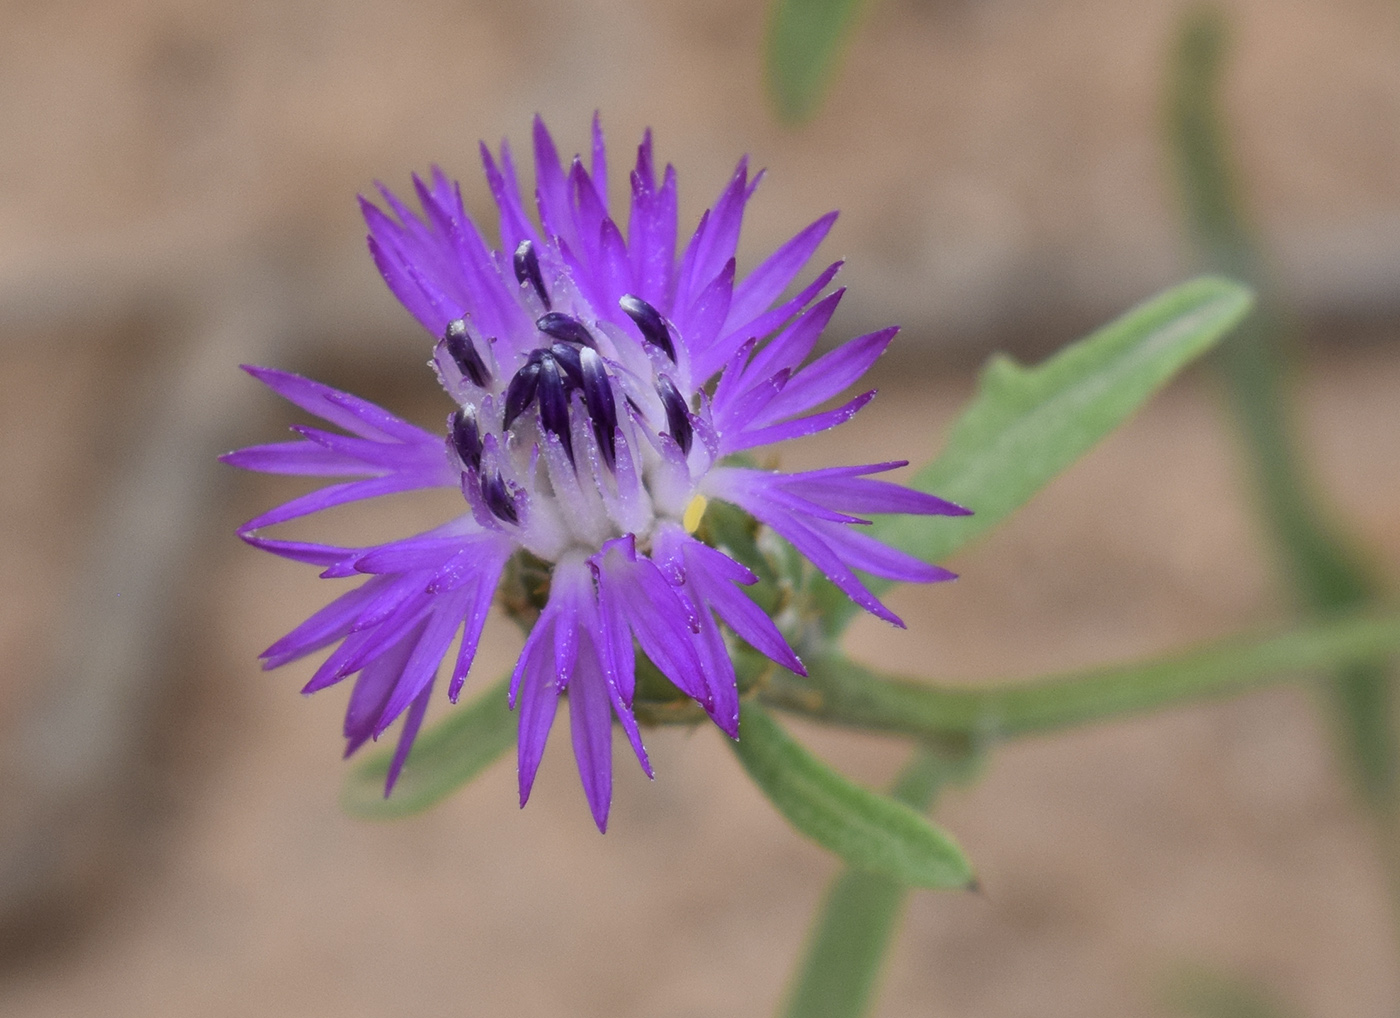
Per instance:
{"type": "Point", "coordinates": [602, 410]}
{"type": "Point", "coordinates": [521, 392]}
{"type": "Point", "coordinates": [677, 416]}
{"type": "Point", "coordinates": [527, 270]}
{"type": "Point", "coordinates": [497, 499]}
{"type": "Point", "coordinates": [567, 356]}
{"type": "Point", "coordinates": [565, 327]}
{"type": "Point", "coordinates": [651, 324]}
{"type": "Point", "coordinates": [466, 438]}
{"type": "Point", "coordinates": [554, 403]}
{"type": "Point", "coordinates": [464, 353]}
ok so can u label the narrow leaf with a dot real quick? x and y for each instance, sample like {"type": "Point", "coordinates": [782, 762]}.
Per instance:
{"type": "Point", "coordinates": [1025, 425]}
{"type": "Point", "coordinates": [804, 42]}
{"type": "Point", "coordinates": [846, 693]}
{"type": "Point", "coordinates": [866, 829]}
{"type": "Point", "coordinates": [443, 759]}
{"type": "Point", "coordinates": [846, 948]}
{"type": "Point", "coordinates": [1028, 424]}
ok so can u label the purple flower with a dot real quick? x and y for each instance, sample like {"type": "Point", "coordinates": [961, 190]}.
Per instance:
{"type": "Point", "coordinates": [603, 386]}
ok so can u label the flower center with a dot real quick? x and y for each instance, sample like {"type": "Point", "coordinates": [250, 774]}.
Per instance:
{"type": "Point", "coordinates": [587, 440]}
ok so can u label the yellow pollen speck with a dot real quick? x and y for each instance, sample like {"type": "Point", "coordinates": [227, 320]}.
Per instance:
{"type": "Point", "coordinates": [693, 513]}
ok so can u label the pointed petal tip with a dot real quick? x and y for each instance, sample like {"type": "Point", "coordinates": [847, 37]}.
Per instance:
{"type": "Point", "coordinates": [729, 726]}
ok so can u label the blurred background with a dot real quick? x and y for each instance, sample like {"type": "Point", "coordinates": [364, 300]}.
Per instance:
{"type": "Point", "coordinates": [178, 182]}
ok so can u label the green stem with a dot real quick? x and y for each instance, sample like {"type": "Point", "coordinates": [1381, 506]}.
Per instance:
{"type": "Point", "coordinates": [852, 931]}
{"type": "Point", "coordinates": [843, 692]}
{"type": "Point", "coordinates": [1324, 568]}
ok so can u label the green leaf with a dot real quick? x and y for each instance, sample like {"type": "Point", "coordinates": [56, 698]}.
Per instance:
{"type": "Point", "coordinates": [869, 831]}
{"type": "Point", "coordinates": [1025, 425]}
{"type": "Point", "coordinates": [804, 42]}
{"type": "Point", "coordinates": [443, 759]}
{"type": "Point", "coordinates": [858, 917]}
{"type": "Point", "coordinates": [846, 693]}
{"type": "Point", "coordinates": [1028, 424]}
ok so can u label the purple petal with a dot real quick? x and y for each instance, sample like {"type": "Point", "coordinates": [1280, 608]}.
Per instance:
{"type": "Point", "coordinates": [423, 551]}
{"type": "Point", "coordinates": [794, 344]}
{"type": "Point", "coordinates": [488, 575]}
{"type": "Point", "coordinates": [322, 401]}
{"type": "Point", "coordinates": [700, 322]}
{"type": "Point", "coordinates": [614, 271]}
{"type": "Point", "coordinates": [721, 701]}
{"type": "Point", "coordinates": [339, 494]}
{"type": "Point", "coordinates": [551, 189]}
{"type": "Point", "coordinates": [326, 626]}
{"type": "Point", "coordinates": [750, 491]}
{"type": "Point", "coordinates": [400, 271]}
{"type": "Point", "coordinates": [651, 232]}
{"type": "Point", "coordinates": [711, 573]}
{"type": "Point", "coordinates": [735, 412]}
{"type": "Point", "coordinates": [827, 376]}
{"type": "Point", "coordinates": [295, 458]}
{"type": "Point", "coordinates": [380, 420]}
{"type": "Point", "coordinates": [618, 661]}
{"type": "Point", "coordinates": [590, 211]}
{"type": "Point", "coordinates": [797, 428]}
{"type": "Point", "coordinates": [303, 551]}
{"type": "Point", "coordinates": [717, 238]}
{"type": "Point", "coordinates": [639, 594]}
{"type": "Point", "coordinates": [515, 224]}
{"type": "Point", "coordinates": [537, 700]}
{"type": "Point", "coordinates": [371, 691]}
{"type": "Point", "coordinates": [423, 663]}
{"type": "Point", "coordinates": [369, 641]}
{"type": "Point", "coordinates": [723, 348]}
{"type": "Point", "coordinates": [862, 495]}
{"type": "Point", "coordinates": [411, 724]}
{"type": "Point", "coordinates": [590, 722]}
{"type": "Point", "coordinates": [861, 551]}
{"type": "Point", "coordinates": [763, 285]}
{"type": "Point", "coordinates": [600, 160]}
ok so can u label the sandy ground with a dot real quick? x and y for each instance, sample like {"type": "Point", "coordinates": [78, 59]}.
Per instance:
{"type": "Point", "coordinates": [1110, 857]}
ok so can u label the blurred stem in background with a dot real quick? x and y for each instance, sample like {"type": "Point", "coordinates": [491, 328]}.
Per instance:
{"type": "Point", "coordinates": [1319, 558]}
{"type": "Point", "coordinates": [851, 934]}
{"type": "Point", "coordinates": [805, 40]}
{"type": "Point", "coordinates": [1203, 992]}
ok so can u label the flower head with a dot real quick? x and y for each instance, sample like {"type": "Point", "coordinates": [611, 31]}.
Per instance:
{"type": "Point", "coordinates": [603, 387]}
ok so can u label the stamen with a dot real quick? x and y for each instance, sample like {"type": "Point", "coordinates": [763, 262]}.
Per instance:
{"type": "Point", "coordinates": [554, 403]}
{"type": "Point", "coordinates": [602, 410]}
{"type": "Point", "coordinates": [651, 324]}
{"type": "Point", "coordinates": [521, 392]}
{"type": "Point", "coordinates": [694, 513]}
{"type": "Point", "coordinates": [466, 438]}
{"type": "Point", "coordinates": [464, 353]}
{"type": "Point", "coordinates": [527, 270]}
{"type": "Point", "coordinates": [565, 327]}
{"type": "Point", "coordinates": [497, 498]}
{"type": "Point", "coordinates": [677, 413]}
{"type": "Point", "coordinates": [567, 356]}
